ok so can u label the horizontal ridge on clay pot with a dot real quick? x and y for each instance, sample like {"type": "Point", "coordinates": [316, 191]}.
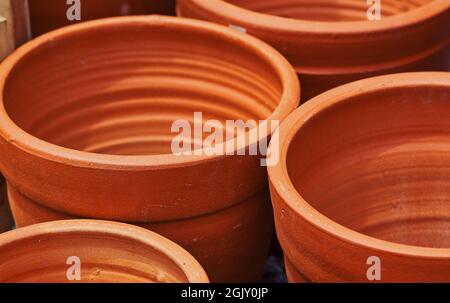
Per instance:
{"type": "Point", "coordinates": [105, 252]}
{"type": "Point", "coordinates": [90, 136]}
{"type": "Point", "coordinates": [364, 172]}
{"type": "Point", "coordinates": [332, 42]}
{"type": "Point", "coordinates": [6, 221]}
{"type": "Point", "coordinates": [47, 15]}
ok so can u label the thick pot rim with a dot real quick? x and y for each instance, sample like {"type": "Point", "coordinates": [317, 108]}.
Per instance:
{"type": "Point", "coordinates": [16, 136]}
{"type": "Point", "coordinates": [192, 269]}
{"type": "Point", "coordinates": [281, 182]}
{"type": "Point", "coordinates": [297, 26]}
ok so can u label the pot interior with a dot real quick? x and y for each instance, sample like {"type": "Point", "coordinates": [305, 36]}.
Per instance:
{"type": "Point", "coordinates": [103, 258]}
{"type": "Point", "coordinates": [327, 10]}
{"type": "Point", "coordinates": [379, 164]}
{"type": "Point", "coordinates": [117, 88]}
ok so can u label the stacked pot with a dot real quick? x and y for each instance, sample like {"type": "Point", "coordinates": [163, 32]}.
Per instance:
{"type": "Point", "coordinates": [331, 42]}
{"type": "Point", "coordinates": [90, 136]}
{"type": "Point", "coordinates": [363, 181]}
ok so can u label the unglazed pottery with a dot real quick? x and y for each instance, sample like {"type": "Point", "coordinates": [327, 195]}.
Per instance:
{"type": "Point", "coordinates": [239, 229]}
{"type": "Point", "coordinates": [105, 252]}
{"type": "Point", "coordinates": [364, 172]}
{"type": "Point", "coordinates": [6, 221]}
{"type": "Point", "coordinates": [332, 42]}
{"type": "Point", "coordinates": [90, 136]}
{"type": "Point", "coordinates": [47, 15]}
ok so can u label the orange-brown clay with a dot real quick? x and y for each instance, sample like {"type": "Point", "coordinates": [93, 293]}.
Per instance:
{"type": "Point", "coordinates": [245, 227]}
{"type": "Point", "coordinates": [47, 15]}
{"type": "Point", "coordinates": [365, 172]}
{"type": "Point", "coordinates": [332, 42]}
{"type": "Point", "coordinates": [106, 252]}
{"type": "Point", "coordinates": [90, 136]}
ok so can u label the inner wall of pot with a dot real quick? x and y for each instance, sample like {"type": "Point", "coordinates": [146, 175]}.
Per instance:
{"type": "Point", "coordinates": [379, 164]}
{"type": "Point", "coordinates": [118, 89]}
{"type": "Point", "coordinates": [327, 10]}
{"type": "Point", "coordinates": [103, 259]}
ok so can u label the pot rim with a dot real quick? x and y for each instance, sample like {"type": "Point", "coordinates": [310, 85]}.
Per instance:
{"type": "Point", "coordinates": [16, 136]}
{"type": "Point", "coordinates": [297, 26]}
{"type": "Point", "coordinates": [281, 182]}
{"type": "Point", "coordinates": [192, 269]}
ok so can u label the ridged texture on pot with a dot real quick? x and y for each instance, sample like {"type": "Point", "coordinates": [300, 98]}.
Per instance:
{"type": "Point", "coordinates": [6, 221]}
{"type": "Point", "coordinates": [107, 251]}
{"type": "Point", "coordinates": [368, 168]}
{"type": "Point", "coordinates": [344, 46]}
{"type": "Point", "coordinates": [97, 121]}
{"type": "Point", "coordinates": [47, 15]}
{"type": "Point", "coordinates": [240, 231]}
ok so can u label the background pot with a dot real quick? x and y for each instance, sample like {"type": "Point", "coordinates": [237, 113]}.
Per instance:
{"type": "Point", "coordinates": [6, 221]}
{"type": "Point", "coordinates": [107, 251]}
{"type": "Point", "coordinates": [47, 15]}
{"type": "Point", "coordinates": [343, 46]}
{"type": "Point", "coordinates": [364, 171]}
{"type": "Point", "coordinates": [95, 141]}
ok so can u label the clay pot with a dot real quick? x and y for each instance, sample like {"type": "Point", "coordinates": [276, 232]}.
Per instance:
{"type": "Point", "coordinates": [331, 42]}
{"type": "Point", "coordinates": [106, 252]}
{"type": "Point", "coordinates": [238, 230]}
{"type": "Point", "coordinates": [6, 221]}
{"type": "Point", "coordinates": [364, 172]}
{"type": "Point", "coordinates": [90, 136]}
{"type": "Point", "coordinates": [47, 15]}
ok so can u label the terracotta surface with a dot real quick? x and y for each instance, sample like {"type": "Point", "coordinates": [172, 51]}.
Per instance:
{"type": "Point", "coordinates": [47, 15]}
{"type": "Point", "coordinates": [246, 227]}
{"type": "Point", "coordinates": [6, 221]}
{"type": "Point", "coordinates": [364, 171]}
{"type": "Point", "coordinates": [331, 42]}
{"type": "Point", "coordinates": [90, 137]}
{"type": "Point", "coordinates": [107, 251]}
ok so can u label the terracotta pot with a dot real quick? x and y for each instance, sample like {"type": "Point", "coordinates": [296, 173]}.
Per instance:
{"type": "Point", "coordinates": [331, 42]}
{"type": "Point", "coordinates": [364, 172]}
{"type": "Point", "coordinates": [106, 252]}
{"type": "Point", "coordinates": [91, 136]}
{"type": "Point", "coordinates": [47, 15]}
{"type": "Point", "coordinates": [246, 227]}
{"type": "Point", "coordinates": [6, 221]}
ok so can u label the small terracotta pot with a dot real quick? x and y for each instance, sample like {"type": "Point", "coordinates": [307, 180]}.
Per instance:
{"type": "Point", "coordinates": [47, 15]}
{"type": "Point", "coordinates": [364, 172]}
{"type": "Point", "coordinates": [106, 252]}
{"type": "Point", "coordinates": [331, 42]}
{"type": "Point", "coordinates": [6, 221]}
{"type": "Point", "coordinates": [91, 137]}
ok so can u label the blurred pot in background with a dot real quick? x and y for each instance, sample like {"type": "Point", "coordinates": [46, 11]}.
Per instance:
{"type": "Point", "coordinates": [47, 15]}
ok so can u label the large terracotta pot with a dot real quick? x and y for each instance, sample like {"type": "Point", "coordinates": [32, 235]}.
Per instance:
{"type": "Point", "coordinates": [364, 172]}
{"type": "Point", "coordinates": [47, 15]}
{"type": "Point", "coordinates": [331, 42]}
{"type": "Point", "coordinates": [102, 251]}
{"type": "Point", "coordinates": [90, 136]}
{"type": "Point", "coordinates": [6, 221]}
